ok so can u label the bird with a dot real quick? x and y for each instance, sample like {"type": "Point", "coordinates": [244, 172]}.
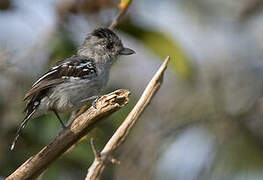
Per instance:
{"type": "Point", "coordinates": [74, 81]}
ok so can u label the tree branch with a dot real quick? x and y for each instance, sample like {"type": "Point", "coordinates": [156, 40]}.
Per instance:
{"type": "Point", "coordinates": [123, 6]}
{"type": "Point", "coordinates": [105, 106]}
{"type": "Point", "coordinates": [98, 165]}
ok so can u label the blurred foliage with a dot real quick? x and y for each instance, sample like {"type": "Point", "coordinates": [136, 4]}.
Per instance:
{"type": "Point", "coordinates": [83, 6]}
{"type": "Point", "coordinates": [63, 45]}
{"type": "Point", "coordinates": [5, 5]}
{"type": "Point", "coordinates": [162, 45]}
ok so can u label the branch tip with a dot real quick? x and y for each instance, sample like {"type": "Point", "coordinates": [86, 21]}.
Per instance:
{"type": "Point", "coordinates": [97, 155]}
{"type": "Point", "coordinates": [122, 132]}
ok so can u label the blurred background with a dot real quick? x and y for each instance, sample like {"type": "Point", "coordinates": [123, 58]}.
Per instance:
{"type": "Point", "coordinates": [205, 123]}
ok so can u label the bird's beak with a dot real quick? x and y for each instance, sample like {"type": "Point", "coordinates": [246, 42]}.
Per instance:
{"type": "Point", "coordinates": [127, 51]}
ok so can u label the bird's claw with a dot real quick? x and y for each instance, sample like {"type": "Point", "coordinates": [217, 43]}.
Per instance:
{"type": "Point", "coordinates": [94, 103]}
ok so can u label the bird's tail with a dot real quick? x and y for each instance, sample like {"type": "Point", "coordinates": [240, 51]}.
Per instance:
{"type": "Point", "coordinates": [22, 126]}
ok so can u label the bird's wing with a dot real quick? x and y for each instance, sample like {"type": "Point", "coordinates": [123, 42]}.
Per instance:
{"type": "Point", "coordinates": [79, 67]}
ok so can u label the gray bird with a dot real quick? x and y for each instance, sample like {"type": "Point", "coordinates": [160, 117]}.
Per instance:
{"type": "Point", "coordinates": [76, 80]}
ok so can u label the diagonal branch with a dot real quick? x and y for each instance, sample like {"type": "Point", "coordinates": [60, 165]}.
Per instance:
{"type": "Point", "coordinates": [105, 106]}
{"type": "Point", "coordinates": [123, 6]}
{"type": "Point", "coordinates": [122, 132]}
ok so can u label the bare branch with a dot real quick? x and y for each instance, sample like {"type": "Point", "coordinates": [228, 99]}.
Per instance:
{"type": "Point", "coordinates": [123, 6]}
{"type": "Point", "coordinates": [105, 106]}
{"type": "Point", "coordinates": [122, 132]}
{"type": "Point", "coordinates": [96, 153]}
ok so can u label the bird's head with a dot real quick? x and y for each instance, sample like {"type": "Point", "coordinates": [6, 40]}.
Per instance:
{"type": "Point", "coordinates": [103, 45]}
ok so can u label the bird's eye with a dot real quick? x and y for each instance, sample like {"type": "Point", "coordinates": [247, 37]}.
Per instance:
{"type": "Point", "coordinates": [109, 45]}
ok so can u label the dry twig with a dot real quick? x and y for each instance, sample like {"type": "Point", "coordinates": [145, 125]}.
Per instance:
{"type": "Point", "coordinates": [122, 132]}
{"type": "Point", "coordinates": [106, 105]}
{"type": "Point", "coordinates": [123, 6]}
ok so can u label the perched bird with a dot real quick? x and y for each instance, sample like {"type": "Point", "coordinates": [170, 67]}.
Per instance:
{"type": "Point", "coordinates": [76, 80]}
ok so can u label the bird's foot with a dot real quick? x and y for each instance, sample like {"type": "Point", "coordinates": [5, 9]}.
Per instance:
{"type": "Point", "coordinates": [94, 103]}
